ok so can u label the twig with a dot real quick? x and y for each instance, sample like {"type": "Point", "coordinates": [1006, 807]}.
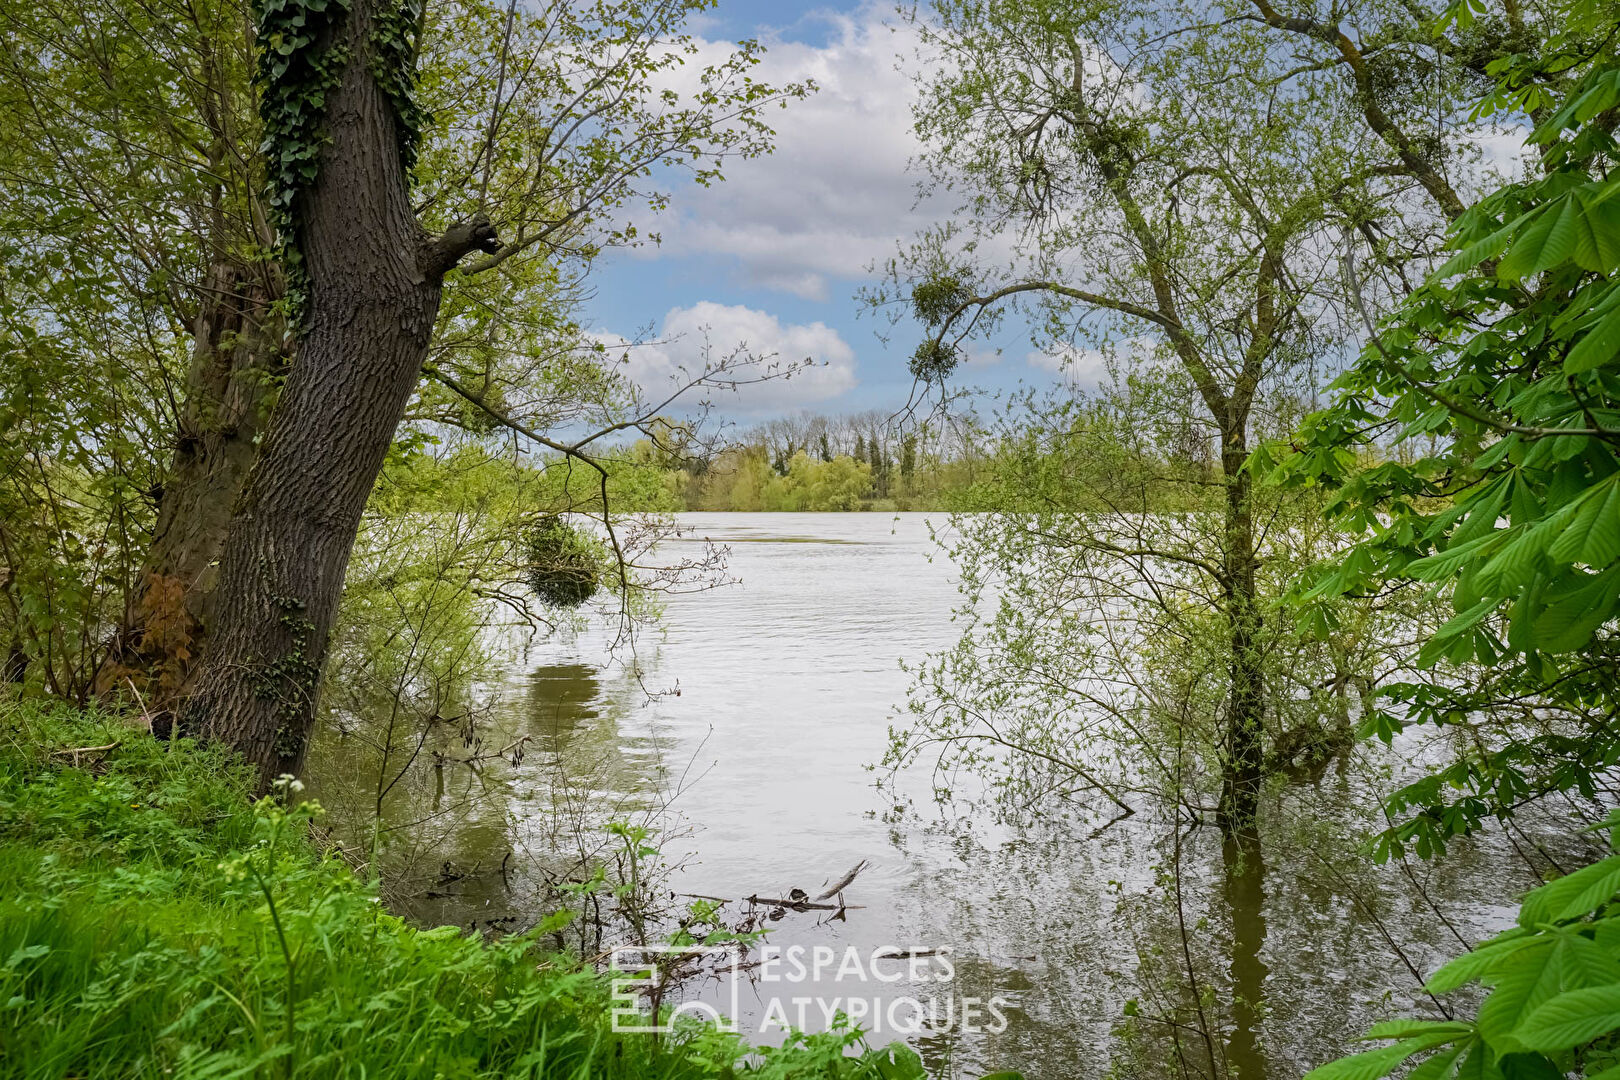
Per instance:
{"type": "Point", "coordinates": [75, 751]}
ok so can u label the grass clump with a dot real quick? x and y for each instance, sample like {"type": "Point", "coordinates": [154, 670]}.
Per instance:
{"type": "Point", "coordinates": [155, 923]}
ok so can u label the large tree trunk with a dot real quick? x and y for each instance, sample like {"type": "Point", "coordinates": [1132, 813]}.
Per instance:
{"type": "Point", "coordinates": [236, 356]}
{"type": "Point", "coordinates": [373, 294]}
{"type": "Point", "coordinates": [1243, 758]}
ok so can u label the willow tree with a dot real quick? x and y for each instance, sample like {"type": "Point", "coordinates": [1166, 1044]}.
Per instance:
{"type": "Point", "coordinates": [1155, 184]}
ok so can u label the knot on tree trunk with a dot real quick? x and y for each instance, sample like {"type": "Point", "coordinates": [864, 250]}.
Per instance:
{"type": "Point", "coordinates": [441, 253]}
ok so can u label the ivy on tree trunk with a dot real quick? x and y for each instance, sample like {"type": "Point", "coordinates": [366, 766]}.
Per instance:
{"type": "Point", "coordinates": [374, 278]}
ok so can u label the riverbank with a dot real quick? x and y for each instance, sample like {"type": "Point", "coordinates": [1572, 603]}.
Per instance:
{"type": "Point", "coordinates": [154, 922]}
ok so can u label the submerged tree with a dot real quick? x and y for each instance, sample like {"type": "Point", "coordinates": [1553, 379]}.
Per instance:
{"type": "Point", "coordinates": [1167, 191]}
{"type": "Point", "coordinates": [1142, 227]}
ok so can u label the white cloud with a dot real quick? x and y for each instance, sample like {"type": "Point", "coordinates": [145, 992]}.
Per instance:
{"type": "Point", "coordinates": [974, 355]}
{"type": "Point", "coordinates": [1503, 156]}
{"type": "Point", "coordinates": [819, 363]}
{"type": "Point", "coordinates": [1082, 366]}
{"type": "Point", "coordinates": [836, 195]}
{"type": "Point", "coordinates": [1087, 366]}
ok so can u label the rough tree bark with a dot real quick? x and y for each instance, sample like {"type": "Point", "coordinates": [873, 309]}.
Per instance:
{"type": "Point", "coordinates": [236, 356]}
{"type": "Point", "coordinates": [374, 284]}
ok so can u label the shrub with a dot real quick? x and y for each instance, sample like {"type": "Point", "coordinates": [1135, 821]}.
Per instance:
{"type": "Point", "coordinates": [154, 922]}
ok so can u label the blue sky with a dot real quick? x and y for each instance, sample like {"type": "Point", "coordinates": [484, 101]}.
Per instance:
{"type": "Point", "coordinates": [774, 256]}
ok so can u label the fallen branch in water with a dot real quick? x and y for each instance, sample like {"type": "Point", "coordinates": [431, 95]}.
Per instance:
{"type": "Point", "coordinates": [801, 905]}
{"type": "Point", "coordinates": [843, 882]}
{"type": "Point", "coordinates": [798, 899]}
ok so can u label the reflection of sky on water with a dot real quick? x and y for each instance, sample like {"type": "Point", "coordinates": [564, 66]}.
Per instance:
{"type": "Point", "coordinates": [786, 685]}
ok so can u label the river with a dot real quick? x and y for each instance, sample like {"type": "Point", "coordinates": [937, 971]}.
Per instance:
{"type": "Point", "coordinates": [743, 728]}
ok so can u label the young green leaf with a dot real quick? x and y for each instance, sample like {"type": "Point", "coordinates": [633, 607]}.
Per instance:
{"type": "Point", "coordinates": [1571, 1019]}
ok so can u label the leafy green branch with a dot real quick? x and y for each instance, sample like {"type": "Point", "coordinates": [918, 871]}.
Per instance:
{"type": "Point", "coordinates": [1474, 450]}
{"type": "Point", "coordinates": [1554, 1001]}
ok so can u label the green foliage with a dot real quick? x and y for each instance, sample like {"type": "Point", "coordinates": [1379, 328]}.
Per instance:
{"type": "Point", "coordinates": [1554, 1003]}
{"type": "Point", "coordinates": [935, 300]}
{"type": "Point", "coordinates": [744, 480]}
{"type": "Point", "coordinates": [815, 462]}
{"type": "Point", "coordinates": [154, 923]}
{"type": "Point", "coordinates": [301, 57]}
{"type": "Point", "coordinates": [839, 484]}
{"type": "Point", "coordinates": [73, 514]}
{"type": "Point", "coordinates": [565, 562]}
{"type": "Point", "coordinates": [444, 552]}
{"type": "Point", "coordinates": [1473, 451]}
{"type": "Point", "coordinates": [191, 129]}
{"type": "Point", "coordinates": [302, 53]}
{"type": "Point", "coordinates": [97, 306]}
{"type": "Point", "coordinates": [932, 361]}
{"type": "Point", "coordinates": [583, 139]}
{"type": "Point", "coordinates": [1091, 151]}
{"type": "Point", "coordinates": [1087, 549]}
{"type": "Point", "coordinates": [393, 44]}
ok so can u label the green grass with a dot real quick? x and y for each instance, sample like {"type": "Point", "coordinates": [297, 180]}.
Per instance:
{"type": "Point", "coordinates": [155, 923]}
